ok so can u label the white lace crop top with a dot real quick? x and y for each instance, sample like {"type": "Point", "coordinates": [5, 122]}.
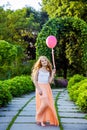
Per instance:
{"type": "Point", "coordinates": [43, 77]}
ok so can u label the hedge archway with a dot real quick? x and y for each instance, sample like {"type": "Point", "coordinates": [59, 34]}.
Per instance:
{"type": "Point", "coordinates": [70, 51]}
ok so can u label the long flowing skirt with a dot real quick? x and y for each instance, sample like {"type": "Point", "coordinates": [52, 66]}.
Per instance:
{"type": "Point", "coordinates": [45, 109]}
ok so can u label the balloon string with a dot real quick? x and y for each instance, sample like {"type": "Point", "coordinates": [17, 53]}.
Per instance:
{"type": "Point", "coordinates": [53, 59]}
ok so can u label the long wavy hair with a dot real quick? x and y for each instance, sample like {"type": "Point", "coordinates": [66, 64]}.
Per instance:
{"type": "Point", "coordinates": [38, 65]}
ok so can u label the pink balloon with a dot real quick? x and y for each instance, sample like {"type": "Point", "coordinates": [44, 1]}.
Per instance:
{"type": "Point", "coordinates": [51, 41]}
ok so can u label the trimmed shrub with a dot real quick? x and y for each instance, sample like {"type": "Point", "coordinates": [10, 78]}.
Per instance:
{"type": "Point", "coordinates": [5, 95]}
{"type": "Point", "coordinates": [82, 101]}
{"type": "Point", "coordinates": [75, 79]}
{"type": "Point", "coordinates": [20, 85]}
{"type": "Point", "coordinates": [73, 91]}
{"type": "Point", "coordinates": [15, 87]}
{"type": "Point", "coordinates": [78, 91]}
{"type": "Point", "coordinates": [77, 88]}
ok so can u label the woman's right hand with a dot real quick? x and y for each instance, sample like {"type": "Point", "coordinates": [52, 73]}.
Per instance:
{"type": "Point", "coordinates": [40, 92]}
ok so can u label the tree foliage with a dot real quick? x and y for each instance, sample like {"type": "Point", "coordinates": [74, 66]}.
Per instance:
{"type": "Point", "coordinates": [71, 34]}
{"type": "Point", "coordinates": [21, 27]}
{"type": "Point", "coordinates": [58, 8]}
{"type": "Point", "coordinates": [8, 52]}
{"type": "Point", "coordinates": [10, 57]}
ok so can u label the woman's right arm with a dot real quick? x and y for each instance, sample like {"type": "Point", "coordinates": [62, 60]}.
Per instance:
{"type": "Point", "coordinates": [36, 83]}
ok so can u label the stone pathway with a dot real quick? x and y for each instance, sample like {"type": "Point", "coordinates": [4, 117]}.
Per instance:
{"type": "Point", "coordinates": [71, 117]}
{"type": "Point", "coordinates": [7, 113]}
{"type": "Point", "coordinates": [23, 109]}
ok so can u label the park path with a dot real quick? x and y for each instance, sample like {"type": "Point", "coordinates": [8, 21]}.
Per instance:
{"type": "Point", "coordinates": [71, 117]}
{"type": "Point", "coordinates": [22, 112]}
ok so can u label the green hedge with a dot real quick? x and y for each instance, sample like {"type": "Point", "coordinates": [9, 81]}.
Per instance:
{"type": "Point", "coordinates": [15, 87]}
{"type": "Point", "coordinates": [75, 79]}
{"type": "Point", "coordinates": [77, 89]}
{"type": "Point", "coordinates": [82, 100]}
{"type": "Point", "coordinates": [5, 95]}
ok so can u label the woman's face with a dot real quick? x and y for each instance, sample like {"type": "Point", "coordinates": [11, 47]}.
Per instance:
{"type": "Point", "coordinates": [44, 62]}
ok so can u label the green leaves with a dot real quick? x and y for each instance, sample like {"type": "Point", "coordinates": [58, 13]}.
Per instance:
{"type": "Point", "coordinates": [8, 52]}
{"type": "Point", "coordinates": [10, 57]}
{"type": "Point", "coordinates": [77, 88]}
{"type": "Point", "coordinates": [82, 100]}
{"type": "Point", "coordinates": [5, 95]}
{"type": "Point", "coordinates": [59, 8]}
{"type": "Point", "coordinates": [15, 87]}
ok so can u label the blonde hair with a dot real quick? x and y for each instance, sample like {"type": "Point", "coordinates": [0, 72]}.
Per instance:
{"type": "Point", "coordinates": [38, 65]}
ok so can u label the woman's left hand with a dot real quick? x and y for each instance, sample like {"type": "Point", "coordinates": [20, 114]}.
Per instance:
{"type": "Point", "coordinates": [53, 72]}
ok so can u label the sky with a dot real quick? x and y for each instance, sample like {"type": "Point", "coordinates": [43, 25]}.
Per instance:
{"type": "Point", "coordinates": [18, 4]}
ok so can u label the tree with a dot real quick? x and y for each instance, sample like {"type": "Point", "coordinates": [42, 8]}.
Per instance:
{"type": "Point", "coordinates": [10, 57]}
{"type": "Point", "coordinates": [70, 51]}
{"type": "Point", "coordinates": [58, 8]}
{"type": "Point", "coordinates": [21, 27]}
{"type": "Point", "coordinates": [3, 23]}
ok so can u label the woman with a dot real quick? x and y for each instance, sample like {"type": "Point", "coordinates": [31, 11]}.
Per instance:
{"type": "Point", "coordinates": [42, 75]}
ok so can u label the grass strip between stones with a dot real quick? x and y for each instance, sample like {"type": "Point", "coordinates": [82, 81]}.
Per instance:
{"type": "Point", "coordinates": [59, 119]}
{"type": "Point", "coordinates": [14, 118]}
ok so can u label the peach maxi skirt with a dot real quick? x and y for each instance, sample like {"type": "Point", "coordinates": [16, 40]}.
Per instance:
{"type": "Point", "coordinates": [45, 109]}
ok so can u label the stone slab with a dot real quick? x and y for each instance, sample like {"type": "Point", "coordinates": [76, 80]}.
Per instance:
{"type": "Point", "coordinates": [29, 108]}
{"type": "Point", "coordinates": [7, 113]}
{"type": "Point", "coordinates": [69, 107]}
{"type": "Point", "coordinates": [32, 127]}
{"type": "Point", "coordinates": [73, 114]}
{"type": "Point", "coordinates": [25, 119]}
{"type": "Point", "coordinates": [57, 90]}
{"type": "Point", "coordinates": [28, 113]}
{"type": "Point", "coordinates": [68, 110]}
{"type": "Point", "coordinates": [65, 103]}
{"type": "Point", "coordinates": [9, 109]}
{"type": "Point", "coordinates": [75, 126]}
{"type": "Point", "coordinates": [19, 101]}
{"type": "Point", "coordinates": [16, 106]}
{"type": "Point", "coordinates": [31, 103]}
{"type": "Point", "coordinates": [5, 119]}
{"type": "Point", "coordinates": [3, 126]}
{"type": "Point", "coordinates": [74, 120]}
